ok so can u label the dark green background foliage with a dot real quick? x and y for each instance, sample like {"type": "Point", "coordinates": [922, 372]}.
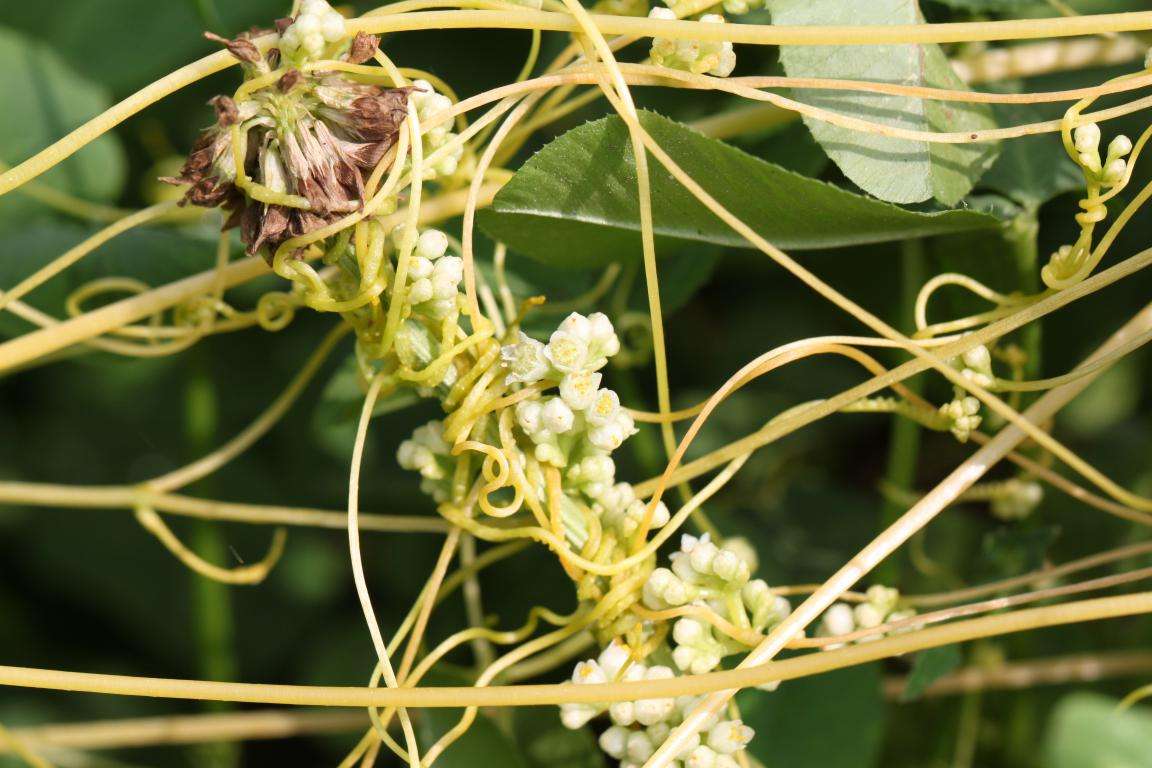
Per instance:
{"type": "Point", "coordinates": [90, 590]}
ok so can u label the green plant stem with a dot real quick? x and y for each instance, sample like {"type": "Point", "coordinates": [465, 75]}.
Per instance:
{"type": "Point", "coordinates": [212, 602]}
{"type": "Point", "coordinates": [904, 443]}
{"type": "Point", "coordinates": [1022, 235]}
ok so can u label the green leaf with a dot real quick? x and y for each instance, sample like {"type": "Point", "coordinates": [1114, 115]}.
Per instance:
{"type": "Point", "coordinates": [574, 203]}
{"type": "Point", "coordinates": [483, 744]}
{"type": "Point", "coordinates": [897, 170]}
{"type": "Point", "coordinates": [336, 414]}
{"type": "Point", "coordinates": [929, 666]}
{"type": "Point", "coordinates": [1087, 731]}
{"type": "Point", "coordinates": [1011, 550]}
{"type": "Point", "coordinates": [1032, 170]}
{"type": "Point", "coordinates": [43, 100]}
{"type": "Point", "coordinates": [834, 720]}
{"type": "Point", "coordinates": [126, 44]}
{"type": "Point", "coordinates": [546, 743]}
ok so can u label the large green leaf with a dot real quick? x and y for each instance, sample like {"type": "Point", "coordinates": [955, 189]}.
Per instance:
{"type": "Point", "coordinates": [575, 203]}
{"type": "Point", "coordinates": [43, 99]}
{"type": "Point", "coordinates": [834, 720]}
{"type": "Point", "coordinates": [898, 170]}
{"type": "Point", "coordinates": [1086, 731]}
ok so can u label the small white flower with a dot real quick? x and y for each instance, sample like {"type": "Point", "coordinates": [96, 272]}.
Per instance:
{"type": "Point", "coordinates": [589, 672]}
{"type": "Point", "coordinates": [622, 712]}
{"type": "Point", "coordinates": [525, 362]}
{"type": "Point", "coordinates": [417, 458]}
{"type": "Point", "coordinates": [550, 453]}
{"type": "Point", "coordinates": [575, 716]}
{"type": "Point", "coordinates": [729, 567]}
{"type": "Point", "coordinates": [659, 732]}
{"type": "Point", "coordinates": [603, 335]}
{"type": "Point", "coordinates": [640, 747]}
{"type": "Point", "coordinates": [566, 351]}
{"type": "Point", "coordinates": [578, 325]}
{"type": "Point", "coordinates": [838, 620]}
{"type": "Point", "coordinates": [867, 616]}
{"type": "Point", "coordinates": [419, 268]}
{"type": "Point", "coordinates": [614, 741]}
{"type": "Point", "coordinates": [688, 631]}
{"type": "Point", "coordinates": [432, 244]}
{"type": "Point", "coordinates": [420, 291]}
{"type": "Point", "coordinates": [638, 510]}
{"type": "Point", "coordinates": [701, 757]}
{"type": "Point", "coordinates": [744, 550]}
{"type": "Point", "coordinates": [610, 436]}
{"type": "Point", "coordinates": [730, 737]}
{"type": "Point", "coordinates": [557, 417]}
{"type": "Point", "coordinates": [1119, 146]}
{"type": "Point", "coordinates": [578, 389]}
{"type": "Point", "coordinates": [702, 556]}
{"type": "Point", "coordinates": [603, 408]}
{"type": "Point", "coordinates": [1086, 137]}
{"type": "Point", "coordinates": [613, 658]}
{"type": "Point", "coordinates": [446, 276]}
{"type": "Point", "coordinates": [1114, 172]}
{"type": "Point", "coordinates": [529, 416]}
{"type": "Point", "coordinates": [884, 598]}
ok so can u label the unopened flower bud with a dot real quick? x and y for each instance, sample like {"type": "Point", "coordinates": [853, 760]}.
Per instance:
{"type": "Point", "coordinates": [556, 416]}
{"type": "Point", "coordinates": [838, 620]}
{"type": "Point", "coordinates": [1086, 137]}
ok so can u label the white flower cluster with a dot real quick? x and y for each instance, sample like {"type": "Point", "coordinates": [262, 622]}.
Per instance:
{"type": "Point", "coordinates": [1113, 168]}
{"type": "Point", "coordinates": [696, 56]}
{"type": "Point", "coordinates": [879, 607]}
{"type": "Point", "coordinates": [428, 453]}
{"type": "Point", "coordinates": [428, 104]}
{"type": "Point", "coordinates": [1016, 499]}
{"type": "Point", "coordinates": [434, 278]}
{"type": "Point", "coordinates": [315, 28]}
{"type": "Point", "coordinates": [962, 415]}
{"type": "Point", "coordinates": [640, 727]}
{"type": "Point", "coordinates": [585, 422]}
{"type": "Point", "coordinates": [717, 577]}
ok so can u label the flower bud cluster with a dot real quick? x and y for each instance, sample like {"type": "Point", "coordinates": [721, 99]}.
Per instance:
{"type": "Point", "coordinates": [879, 607]}
{"type": "Point", "coordinates": [428, 104]}
{"type": "Point", "coordinates": [434, 278]}
{"type": "Point", "coordinates": [428, 453]}
{"type": "Point", "coordinates": [1113, 168]}
{"type": "Point", "coordinates": [584, 422]}
{"type": "Point", "coordinates": [696, 56]}
{"type": "Point", "coordinates": [962, 415]}
{"type": "Point", "coordinates": [640, 727]}
{"type": "Point", "coordinates": [976, 366]}
{"type": "Point", "coordinates": [717, 578]}
{"type": "Point", "coordinates": [315, 30]}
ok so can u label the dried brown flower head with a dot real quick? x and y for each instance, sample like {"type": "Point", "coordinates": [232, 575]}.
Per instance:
{"type": "Point", "coordinates": [314, 135]}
